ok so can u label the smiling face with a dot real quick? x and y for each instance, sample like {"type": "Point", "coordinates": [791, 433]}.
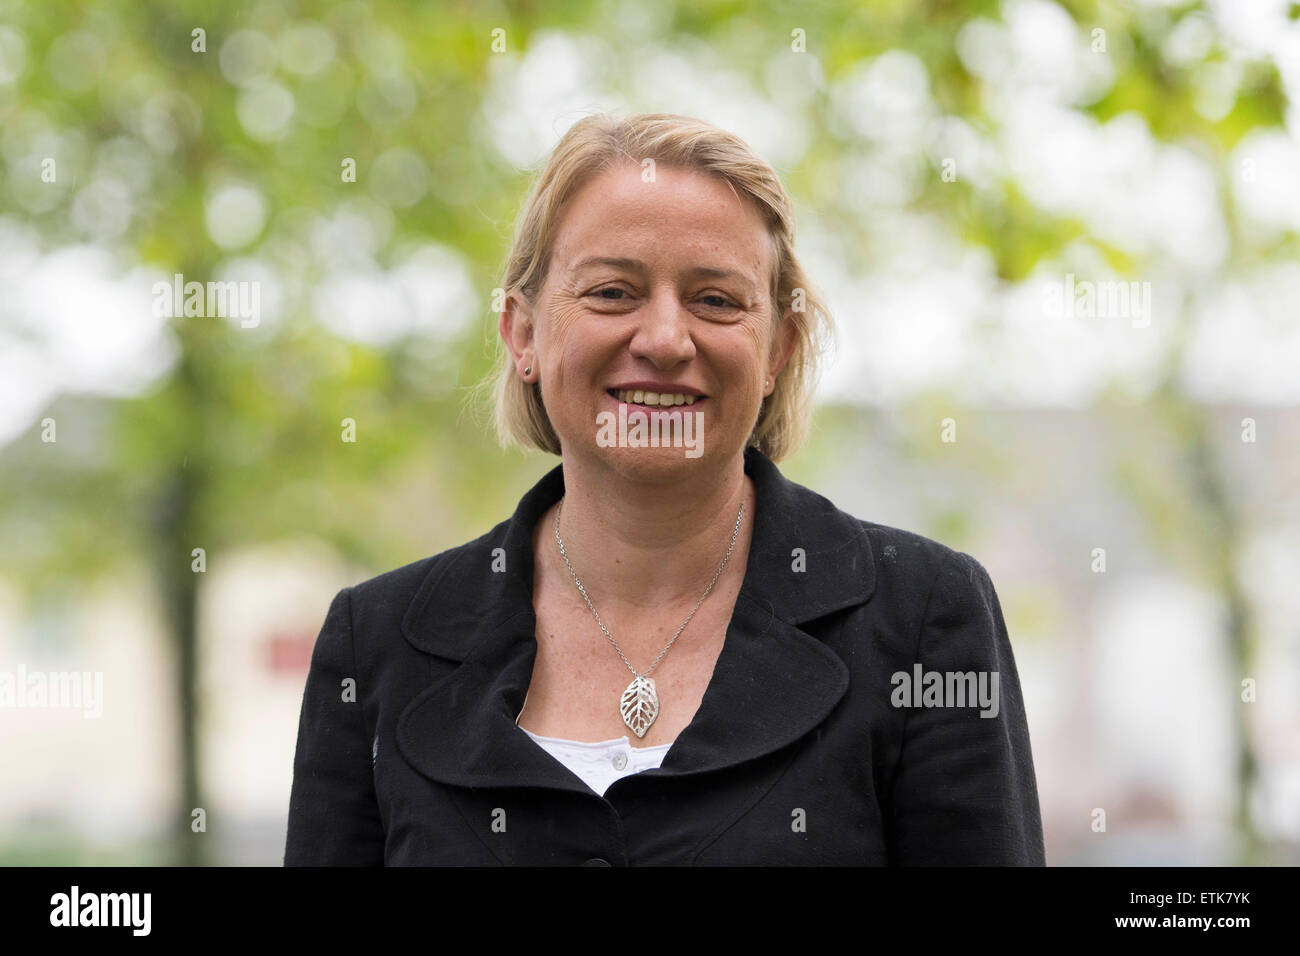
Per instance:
{"type": "Point", "coordinates": [659, 288]}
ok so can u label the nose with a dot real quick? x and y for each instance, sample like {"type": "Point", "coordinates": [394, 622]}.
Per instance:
{"type": "Point", "coordinates": [663, 335]}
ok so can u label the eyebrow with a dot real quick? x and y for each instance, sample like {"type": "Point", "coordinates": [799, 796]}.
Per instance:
{"type": "Point", "coordinates": [707, 272]}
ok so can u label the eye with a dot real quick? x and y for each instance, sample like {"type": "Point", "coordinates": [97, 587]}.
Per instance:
{"type": "Point", "coordinates": [611, 293]}
{"type": "Point", "coordinates": [722, 301]}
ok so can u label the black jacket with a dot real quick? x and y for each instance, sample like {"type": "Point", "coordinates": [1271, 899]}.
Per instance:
{"type": "Point", "coordinates": [797, 755]}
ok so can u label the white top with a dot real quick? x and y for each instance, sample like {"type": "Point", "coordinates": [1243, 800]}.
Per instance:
{"type": "Point", "coordinates": [602, 762]}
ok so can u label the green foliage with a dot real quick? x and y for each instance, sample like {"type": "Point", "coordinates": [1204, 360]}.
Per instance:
{"type": "Point", "coordinates": [242, 442]}
{"type": "Point", "coordinates": [246, 429]}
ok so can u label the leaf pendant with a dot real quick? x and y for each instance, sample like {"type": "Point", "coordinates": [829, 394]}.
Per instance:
{"type": "Point", "coordinates": [639, 705]}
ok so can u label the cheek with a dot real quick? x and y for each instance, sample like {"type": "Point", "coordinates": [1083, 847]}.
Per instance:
{"type": "Point", "coordinates": [570, 340]}
{"type": "Point", "coordinates": [747, 348]}
{"type": "Point", "coordinates": [554, 336]}
{"type": "Point", "coordinates": [760, 340]}
{"type": "Point", "coordinates": [564, 312]}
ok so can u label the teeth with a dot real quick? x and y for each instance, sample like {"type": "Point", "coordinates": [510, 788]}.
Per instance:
{"type": "Point", "coordinates": [663, 400]}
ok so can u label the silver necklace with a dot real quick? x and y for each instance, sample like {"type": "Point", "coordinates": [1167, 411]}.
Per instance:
{"type": "Point", "coordinates": [639, 704]}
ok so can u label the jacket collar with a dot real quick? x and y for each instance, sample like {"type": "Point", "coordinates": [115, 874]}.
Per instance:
{"type": "Point", "coordinates": [772, 683]}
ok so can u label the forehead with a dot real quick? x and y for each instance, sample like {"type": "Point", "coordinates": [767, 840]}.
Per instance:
{"type": "Point", "coordinates": [683, 219]}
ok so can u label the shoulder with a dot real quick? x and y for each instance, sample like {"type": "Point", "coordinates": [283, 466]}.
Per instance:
{"type": "Point", "coordinates": [923, 568]}
{"type": "Point", "coordinates": [386, 598]}
{"type": "Point", "coordinates": [940, 604]}
{"type": "Point", "coordinates": [892, 545]}
{"type": "Point", "coordinates": [894, 553]}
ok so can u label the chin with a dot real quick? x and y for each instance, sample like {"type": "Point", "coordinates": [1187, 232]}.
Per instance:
{"type": "Point", "coordinates": [652, 464]}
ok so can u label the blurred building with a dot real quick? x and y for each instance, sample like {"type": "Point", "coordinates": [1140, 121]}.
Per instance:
{"type": "Point", "coordinates": [1126, 675]}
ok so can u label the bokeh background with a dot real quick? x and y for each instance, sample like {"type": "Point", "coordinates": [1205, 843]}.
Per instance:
{"type": "Point", "coordinates": [1128, 478]}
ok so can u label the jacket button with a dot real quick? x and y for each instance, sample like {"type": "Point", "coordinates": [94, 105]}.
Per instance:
{"type": "Point", "coordinates": [596, 861]}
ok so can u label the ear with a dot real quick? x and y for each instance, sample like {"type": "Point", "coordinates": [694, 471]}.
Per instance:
{"type": "Point", "coordinates": [517, 325]}
{"type": "Point", "coordinates": [782, 348]}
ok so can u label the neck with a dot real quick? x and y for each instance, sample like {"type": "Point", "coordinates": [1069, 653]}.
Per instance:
{"type": "Point", "coordinates": [640, 544]}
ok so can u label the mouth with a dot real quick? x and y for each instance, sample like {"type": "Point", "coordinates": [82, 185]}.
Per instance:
{"type": "Point", "coordinates": [642, 398]}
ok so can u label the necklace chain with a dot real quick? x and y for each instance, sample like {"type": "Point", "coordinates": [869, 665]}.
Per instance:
{"type": "Point", "coordinates": [587, 598]}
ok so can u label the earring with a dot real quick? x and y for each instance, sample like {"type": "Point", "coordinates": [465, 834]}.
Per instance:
{"type": "Point", "coordinates": [528, 370]}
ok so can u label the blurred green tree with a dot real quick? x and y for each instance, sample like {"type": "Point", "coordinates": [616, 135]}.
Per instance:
{"type": "Point", "coordinates": [241, 441]}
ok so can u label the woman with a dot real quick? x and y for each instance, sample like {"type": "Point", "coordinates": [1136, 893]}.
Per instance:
{"type": "Point", "coordinates": [670, 654]}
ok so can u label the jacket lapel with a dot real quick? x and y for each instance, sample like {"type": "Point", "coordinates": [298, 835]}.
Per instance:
{"type": "Point", "coordinates": [772, 684]}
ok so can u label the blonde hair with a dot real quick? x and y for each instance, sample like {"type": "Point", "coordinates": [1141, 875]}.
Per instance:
{"type": "Point", "coordinates": [596, 143]}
